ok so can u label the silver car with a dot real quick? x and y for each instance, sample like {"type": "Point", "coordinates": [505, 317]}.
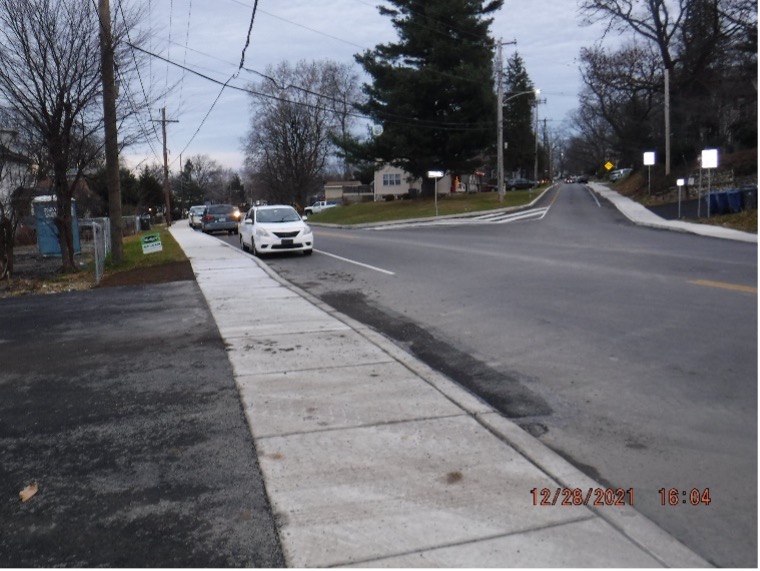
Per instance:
{"type": "Point", "coordinates": [195, 215]}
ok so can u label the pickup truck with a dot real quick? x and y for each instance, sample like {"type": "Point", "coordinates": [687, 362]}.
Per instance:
{"type": "Point", "coordinates": [319, 206]}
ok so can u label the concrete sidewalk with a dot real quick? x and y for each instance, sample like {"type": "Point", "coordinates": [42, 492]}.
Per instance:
{"type": "Point", "coordinates": [642, 216]}
{"type": "Point", "coordinates": [371, 458]}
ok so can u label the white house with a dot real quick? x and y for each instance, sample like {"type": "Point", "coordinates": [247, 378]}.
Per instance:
{"type": "Point", "coordinates": [393, 181]}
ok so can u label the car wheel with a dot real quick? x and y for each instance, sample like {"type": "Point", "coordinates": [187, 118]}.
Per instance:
{"type": "Point", "coordinates": [254, 251]}
{"type": "Point", "coordinates": [242, 244]}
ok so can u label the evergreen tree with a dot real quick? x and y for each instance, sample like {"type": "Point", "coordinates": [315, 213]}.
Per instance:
{"type": "Point", "coordinates": [432, 91]}
{"type": "Point", "coordinates": [518, 123]}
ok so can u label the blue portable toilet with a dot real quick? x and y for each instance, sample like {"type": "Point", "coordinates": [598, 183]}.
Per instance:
{"type": "Point", "coordinates": [45, 210]}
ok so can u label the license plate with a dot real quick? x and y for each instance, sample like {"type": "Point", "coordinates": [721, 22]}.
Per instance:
{"type": "Point", "coordinates": [287, 242]}
{"type": "Point", "coordinates": [222, 219]}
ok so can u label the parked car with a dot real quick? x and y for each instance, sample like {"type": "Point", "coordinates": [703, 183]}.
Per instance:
{"type": "Point", "coordinates": [319, 206]}
{"type": "Point", "coordinates": [195, 216]}
{"type": "Point", "coordinates": [275, 228]}
{"type": "Point", "coordinates": [519, 184]}
{"type": "Point", "coordinates": [618, 174]}
{"type": "Point", "coordinates": [220, 218]}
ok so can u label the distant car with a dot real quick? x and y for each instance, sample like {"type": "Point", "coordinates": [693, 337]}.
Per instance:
{"type": "Point", "coordinates": [220, 218]}
{"type": "Point", "coordinates": [520, 184]}
{"type": "Point", "coordinates": [618, 174]}
{"type": "Point", "coordinates": [275, 228]}
{"type": "Point", "coordinates": [582, 179]}
{"type": "Point", "coordinates": [319, 206]}
{"type": "Point", "coordinates": [195, 216]}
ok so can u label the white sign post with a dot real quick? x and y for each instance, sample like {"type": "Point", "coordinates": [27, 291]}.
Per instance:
{"type": "Point", "coordinates": [709, 162]}
{"type": "Point", "coordinates": [648, 162]}
{"type": "Point", "coordinates": [435, 175]}
{"type": "Point", "coordinates": [680, 183]}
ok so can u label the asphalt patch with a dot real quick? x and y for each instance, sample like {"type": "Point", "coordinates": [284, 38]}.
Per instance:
{"type": "Point", "coordinates": [120, 404]}
{"type": "Point", "coordinates": [503, 391]}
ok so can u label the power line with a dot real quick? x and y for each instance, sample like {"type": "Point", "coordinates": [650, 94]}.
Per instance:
{"type": "Point", "coordinates": [386, 116]}
{"type": "Point", "coordinates": [233, 76]}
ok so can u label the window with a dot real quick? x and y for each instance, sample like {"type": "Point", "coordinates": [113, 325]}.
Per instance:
{"type": "Point", "coordinates": [392, 179]}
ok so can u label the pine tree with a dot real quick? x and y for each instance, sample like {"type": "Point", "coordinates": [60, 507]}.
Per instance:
{"type": "Point", "coordinates": [518, 114]}
{"type": "Point", "coordinates": [432, 91]}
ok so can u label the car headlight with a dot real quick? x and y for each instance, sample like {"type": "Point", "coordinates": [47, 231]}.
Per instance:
{"type": "Point", "coordinates": [306, 229]}
{"type": "Point", "coordinates": [262, 232]}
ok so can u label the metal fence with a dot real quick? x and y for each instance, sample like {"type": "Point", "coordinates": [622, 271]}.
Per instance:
{"type": "Point", "coordinates": [101, 238]}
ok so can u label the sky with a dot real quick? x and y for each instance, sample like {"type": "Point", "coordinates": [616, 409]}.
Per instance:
{"type": "Point", "coordinates": [208, 36]}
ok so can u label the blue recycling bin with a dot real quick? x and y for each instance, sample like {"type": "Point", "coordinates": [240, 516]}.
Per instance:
{"type": "Point", "coordinates": [735, 202]}
{"type": "Point", "coordinates": [45, 211]}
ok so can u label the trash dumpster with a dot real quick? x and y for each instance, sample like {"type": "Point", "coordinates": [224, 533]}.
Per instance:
{"type": "Point", "coordinates": [734, 199]}
{"type": "Point", "coordinates": [145, 222]}
{"type": "Point", "coordinates": [749, 196]}
{"type": "Point", "coordinates": [45, 211]}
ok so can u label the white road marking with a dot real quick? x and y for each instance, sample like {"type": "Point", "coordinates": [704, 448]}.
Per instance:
{"type": "Point", "coordinates": [489, 218]}
{"type": "Point", "coordinates": [382, 271]}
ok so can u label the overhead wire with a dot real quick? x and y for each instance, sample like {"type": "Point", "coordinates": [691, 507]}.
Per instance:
{"type": "Point", "coordinates": [390, 117]}
{"type": "Point", "coordinates": [224, 86]}
{"type": "Point", "coordinates": [120, 9]}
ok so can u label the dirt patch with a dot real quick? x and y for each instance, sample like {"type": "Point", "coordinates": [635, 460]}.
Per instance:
{"type": "Point", "coordinates": [170, 272]}
{"type": "Point", "coordinates": [34, 274]}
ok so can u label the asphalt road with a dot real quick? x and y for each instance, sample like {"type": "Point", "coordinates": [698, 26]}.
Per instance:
{"type": "Point", "coordinates": [121, 405]}
{"type": "Point", "coordinates": [630, 351]}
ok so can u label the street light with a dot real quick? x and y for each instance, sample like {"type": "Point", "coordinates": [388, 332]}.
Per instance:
{"type": "Point", "coordinates": [500, 132]}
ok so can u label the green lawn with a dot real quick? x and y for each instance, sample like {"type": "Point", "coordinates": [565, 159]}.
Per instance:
{"type": "Point", "coordinates": [133, 255]}
{"type": "Point", "coordinates": [373, 212]}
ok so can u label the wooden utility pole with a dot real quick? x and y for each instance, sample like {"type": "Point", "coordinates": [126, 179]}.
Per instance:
{"type": "Point", "coordinates": [109, 118]}
{"type": "Point", "coordinates": [667, 122]}
{"type": "Point", "coordinates": [167, 187]}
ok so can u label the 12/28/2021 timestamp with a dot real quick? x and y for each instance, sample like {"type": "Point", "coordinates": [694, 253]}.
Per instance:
{"type": "Point", "coordinates": [581, 497]}
{"type": "Point", "coordinates": [598, 497]}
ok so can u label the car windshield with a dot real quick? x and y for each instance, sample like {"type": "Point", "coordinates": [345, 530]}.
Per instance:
{"type": "Point", "coordinates": [277, 215]}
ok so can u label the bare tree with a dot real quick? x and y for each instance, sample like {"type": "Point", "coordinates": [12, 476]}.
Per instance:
{"type": "Point", "coordinates": [294, 118]}
{"type": "Point", "coordinates": [50, 76]}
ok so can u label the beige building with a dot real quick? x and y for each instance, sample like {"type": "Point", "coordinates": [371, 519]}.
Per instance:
{"type": "Point", "coordinates": [394, 181]}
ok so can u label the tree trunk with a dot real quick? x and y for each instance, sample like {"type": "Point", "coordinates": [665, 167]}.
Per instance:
{"type": "Point", "coordinates": [63, 222]}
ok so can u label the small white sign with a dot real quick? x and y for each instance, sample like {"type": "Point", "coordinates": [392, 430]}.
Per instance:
{"type": "Point", "coordinates": [680, 182]}
{"type": "Point", "coordinates": [435, 174]}
{"type": "Point", "coordinates": [648, 158]}
{"type": "Point", "coordinates": [151, 243]}
{"type": "Point", "coordinates": [710, 159]}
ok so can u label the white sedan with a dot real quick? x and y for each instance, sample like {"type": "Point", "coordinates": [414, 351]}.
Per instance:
{"type": "Point", "coordinates": [275, 228]}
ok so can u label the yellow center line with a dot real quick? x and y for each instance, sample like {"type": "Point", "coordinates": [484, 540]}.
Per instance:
{"type": "Point", "coordinates": [723, 285]}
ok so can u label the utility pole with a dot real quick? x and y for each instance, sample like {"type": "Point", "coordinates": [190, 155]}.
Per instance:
{"type": "Point", "coordinates": [167, 188]}
{"type": "Point", "coordinates": [109, 117]}
{"type": "Point", "coordinates": [667, 122]}
{"type": "Point", "coordinates": [500, 118]}
{"type": "Point", "coordinates": [535, 163]}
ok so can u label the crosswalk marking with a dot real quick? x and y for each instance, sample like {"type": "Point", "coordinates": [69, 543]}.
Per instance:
{"type": "Point", "coordinates": [488, 218]}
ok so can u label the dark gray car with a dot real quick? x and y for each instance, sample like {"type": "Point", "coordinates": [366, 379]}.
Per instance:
{"type": "Point", "coordinates": [220, 218]}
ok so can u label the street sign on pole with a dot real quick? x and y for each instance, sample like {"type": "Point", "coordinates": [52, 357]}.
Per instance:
{"type": "Point", "coordinates": [435, 175]}
{"type": "Point", "coordinates": [680, 183]}
{"type": "Point", "coordinates": [648, 162]}
{"type": "Point", "coordinates": [709, 161]}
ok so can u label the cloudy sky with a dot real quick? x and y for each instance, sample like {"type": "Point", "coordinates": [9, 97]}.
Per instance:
{"type": "Point", "coordinates": [208, 37]}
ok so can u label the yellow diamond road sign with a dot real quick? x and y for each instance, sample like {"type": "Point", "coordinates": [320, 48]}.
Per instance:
{"type": "Point", "coordinates": [608, 165]}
